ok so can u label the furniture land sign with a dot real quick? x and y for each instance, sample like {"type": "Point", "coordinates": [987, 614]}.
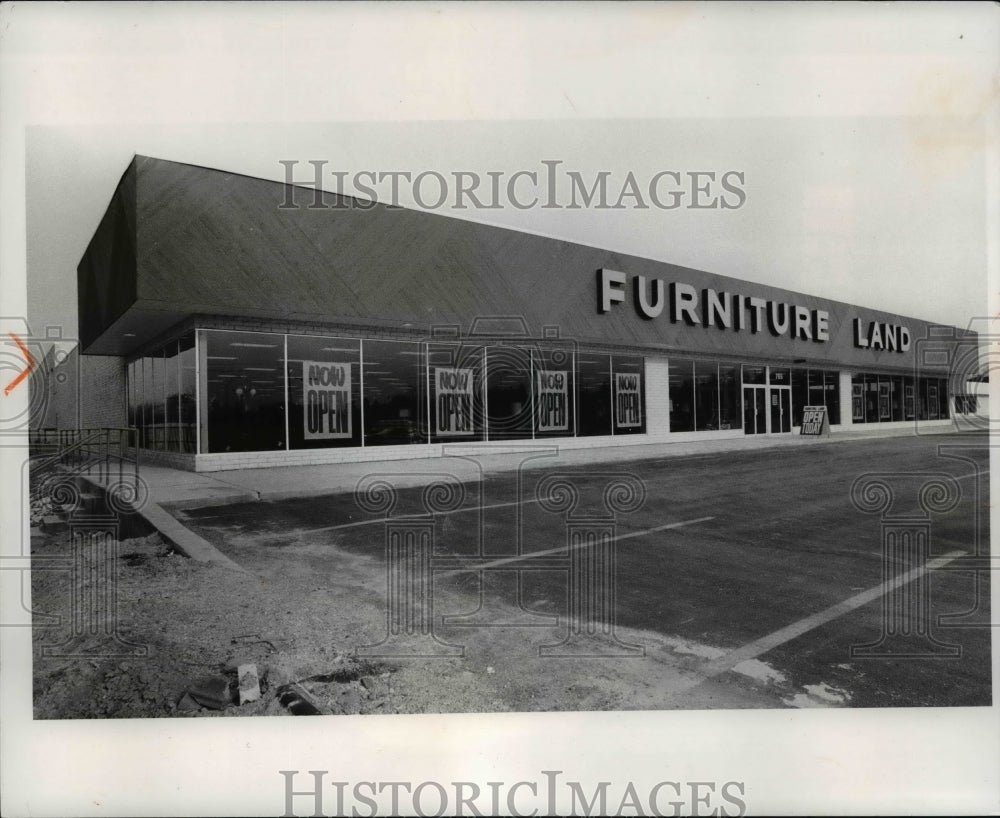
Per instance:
{"type": "Point", "coordinates": [552, 401]}
{"type": "Point", "coordinates": [454, 401]}
{"type": "Point", "coordinates": [628, 406]}
{"type": "Point", "coordinates": [326, 400]}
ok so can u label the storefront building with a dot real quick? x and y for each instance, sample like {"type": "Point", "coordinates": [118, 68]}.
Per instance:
{"type": "Point", "coordinates": [260, 324]}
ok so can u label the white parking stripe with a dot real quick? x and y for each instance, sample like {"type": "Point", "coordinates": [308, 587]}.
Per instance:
{"type": "Point", "coordinates": [379, 520]}
{"type": "Point", "coordinates": [564, 550]}
{"type": "Point", "coordinates": [795, 630]}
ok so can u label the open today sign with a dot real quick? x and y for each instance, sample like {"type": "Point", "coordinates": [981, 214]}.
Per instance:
{"type": "Point", "coordinates": [814, 421]}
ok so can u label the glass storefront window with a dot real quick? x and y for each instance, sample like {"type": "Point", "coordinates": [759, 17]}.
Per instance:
{"type": "Point", "coordinates": [394, 397]}
{"type": "Point", "coordinates": [779, 377]}
{"type": "Point", "coordinates": [132, 391]}
{"type": "Point", "coordinates": [706, 395]}
{"type": "Point", "coordinates": [508, 393]}
{"type": "Point", "coordinates": [554, 384]}
{"type": "Point", "coordinates": [831, 383]}
{"type": "Point", "coordinates": [884, 399]}
{"type": "Point", "coordinates": [171, 410]}
{"type": "Point", "coordinates": [155, 395]}
{"type": "Point", "coordinates": [800, 394]}
{"type": "Point", "coordinates": [593, 394]}
{"type": "Point", "coordinates": [816, 388]}
{"type": "Point", "coordinates": [896, 397]}
{"type": "Point", "coordinates": [681, 395]}
{"type": "Point", "coordinates": [629, 394]}
{"type": "Point", "coordinates": [932, 399]}
{"type": "Point", "coordinates": [324, 391]}
{"type": "Point", "coordinates": [754, 374]}
{"type": "Point", "coordinates": [909, 399]}
{"type": "Point", "coordinates": [188, 391]}
{"type": "Point", "coordinates": [730, 405]}
{"type": "Point", "coordinates": [455, 376]}
{"type": "Point", "coordinates": [871, 399]}
{"type": "Point", "coordinates": [857, 398]}
{"type": "Point", "coordinates": [244, 392]}
{"type": "Point", "coordinates": [943, 398]}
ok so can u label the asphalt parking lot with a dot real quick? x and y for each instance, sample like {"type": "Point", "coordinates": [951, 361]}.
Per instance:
{"type": "Point", "coordinates": [756, 566]}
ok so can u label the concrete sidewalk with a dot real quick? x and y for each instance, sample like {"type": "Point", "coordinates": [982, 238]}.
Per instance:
{"type": "Point", "coordinates": [182, 489]}
{"type": "Point", "coordinates": [167, 490]}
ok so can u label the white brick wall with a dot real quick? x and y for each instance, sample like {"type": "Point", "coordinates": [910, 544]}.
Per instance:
{"type": "Point", "coordinates": [845, 399]}
{"type": "Point", "coordinates": [657, 398]}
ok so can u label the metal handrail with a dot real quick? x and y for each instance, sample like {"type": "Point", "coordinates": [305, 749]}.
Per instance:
{"type": "Point", "coordinates": [108, 449]}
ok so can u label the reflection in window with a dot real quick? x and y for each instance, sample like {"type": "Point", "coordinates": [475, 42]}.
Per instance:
{"type": "Point", "coordinates": [871, 398]}
{"type": "Point", "coordinates": [730, 405]}
{"type": "Point", "coordinates": [681, 395]}
{"type": "Point", "coordinates": [393, 393]}
{"type": "Point", "coordinates": [831, 383]}
{"type": "Point", "coordinates": [817, 388]}
{"type": "Point", "coordinates": [800, 394]}
{"type": "Point", "coordinates": [706, 397]}
{"type": "Point", "coordinates": [245, 391]}
{"type": "Point", "coordinates": [629, 394]}
{"type": "Point", "coordinates": [133, 390]}
{"type": "Point", "coordinates": [508, 393]}
{"type": "Point", "coordinates": [594, 394]}
{"type": "Point", "coordinates": [188, 392]}
{"type": "Point", "coordinates": [171, 380]}
{"type": "Point", "coordinates": [909, 399]}
{"type": "Point", "coordinates": [324, 392]}
{"type": "Point", "coordinates": [857, 398]}
{"type": "Point", "coordinates": [896, 397]}
{"type": "Point", "coordinates": [155, 395]}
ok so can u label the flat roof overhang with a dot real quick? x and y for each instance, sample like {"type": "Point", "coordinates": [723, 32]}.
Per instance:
{"type": "Point", "coordinates": [180, 240]}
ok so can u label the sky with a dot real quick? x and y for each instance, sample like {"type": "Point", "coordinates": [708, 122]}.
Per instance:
{"type": "Point", "coordinates": [868, 135]}
{"type": "Point", "coordinates": [848, 208]}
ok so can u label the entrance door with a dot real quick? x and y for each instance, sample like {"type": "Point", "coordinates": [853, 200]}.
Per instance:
{"type": "Point", "coordinates": [755, 410]}
{"type": "Point", "coordinates": [781, 410]}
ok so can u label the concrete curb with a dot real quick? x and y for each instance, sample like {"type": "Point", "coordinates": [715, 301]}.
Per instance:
{"type": "Point", "coordinates": [169, 527]}
{"type": "Point", "coordinates": [184, 539]}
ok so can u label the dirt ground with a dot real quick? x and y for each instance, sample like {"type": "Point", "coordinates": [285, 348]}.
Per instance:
{"type": "Point", "coordinates": [181, 622]}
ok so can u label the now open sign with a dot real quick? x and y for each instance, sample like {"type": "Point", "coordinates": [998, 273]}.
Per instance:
{"type": "Point", "coordinates": [326, 400]}
{"type": "Point", "coordinates": [453, 401]}
{"type": "Point", "coordinates": [553, 400]}
{"type": "Point", "coordinates": [628, 402]}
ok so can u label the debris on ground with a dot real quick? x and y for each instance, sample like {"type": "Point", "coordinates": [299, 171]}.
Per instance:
{"type": "Point", "coordinates": [211, 691]}
{"type": "Point", "coordinates": [299, 702]}
{"type": "Point", "coordinates": [249, 685]}
{"type": "Point", "coordinates": [185, 704]}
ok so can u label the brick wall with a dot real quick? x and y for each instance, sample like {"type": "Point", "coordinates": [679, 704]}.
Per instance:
{"type": "Point", "coordinates": [82, 391]}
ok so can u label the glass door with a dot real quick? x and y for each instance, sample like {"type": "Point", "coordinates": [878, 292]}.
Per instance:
{"type": "Point", "coordinates": [781, 410]}
{"type": "Point", "coordinates": [754, 410]}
